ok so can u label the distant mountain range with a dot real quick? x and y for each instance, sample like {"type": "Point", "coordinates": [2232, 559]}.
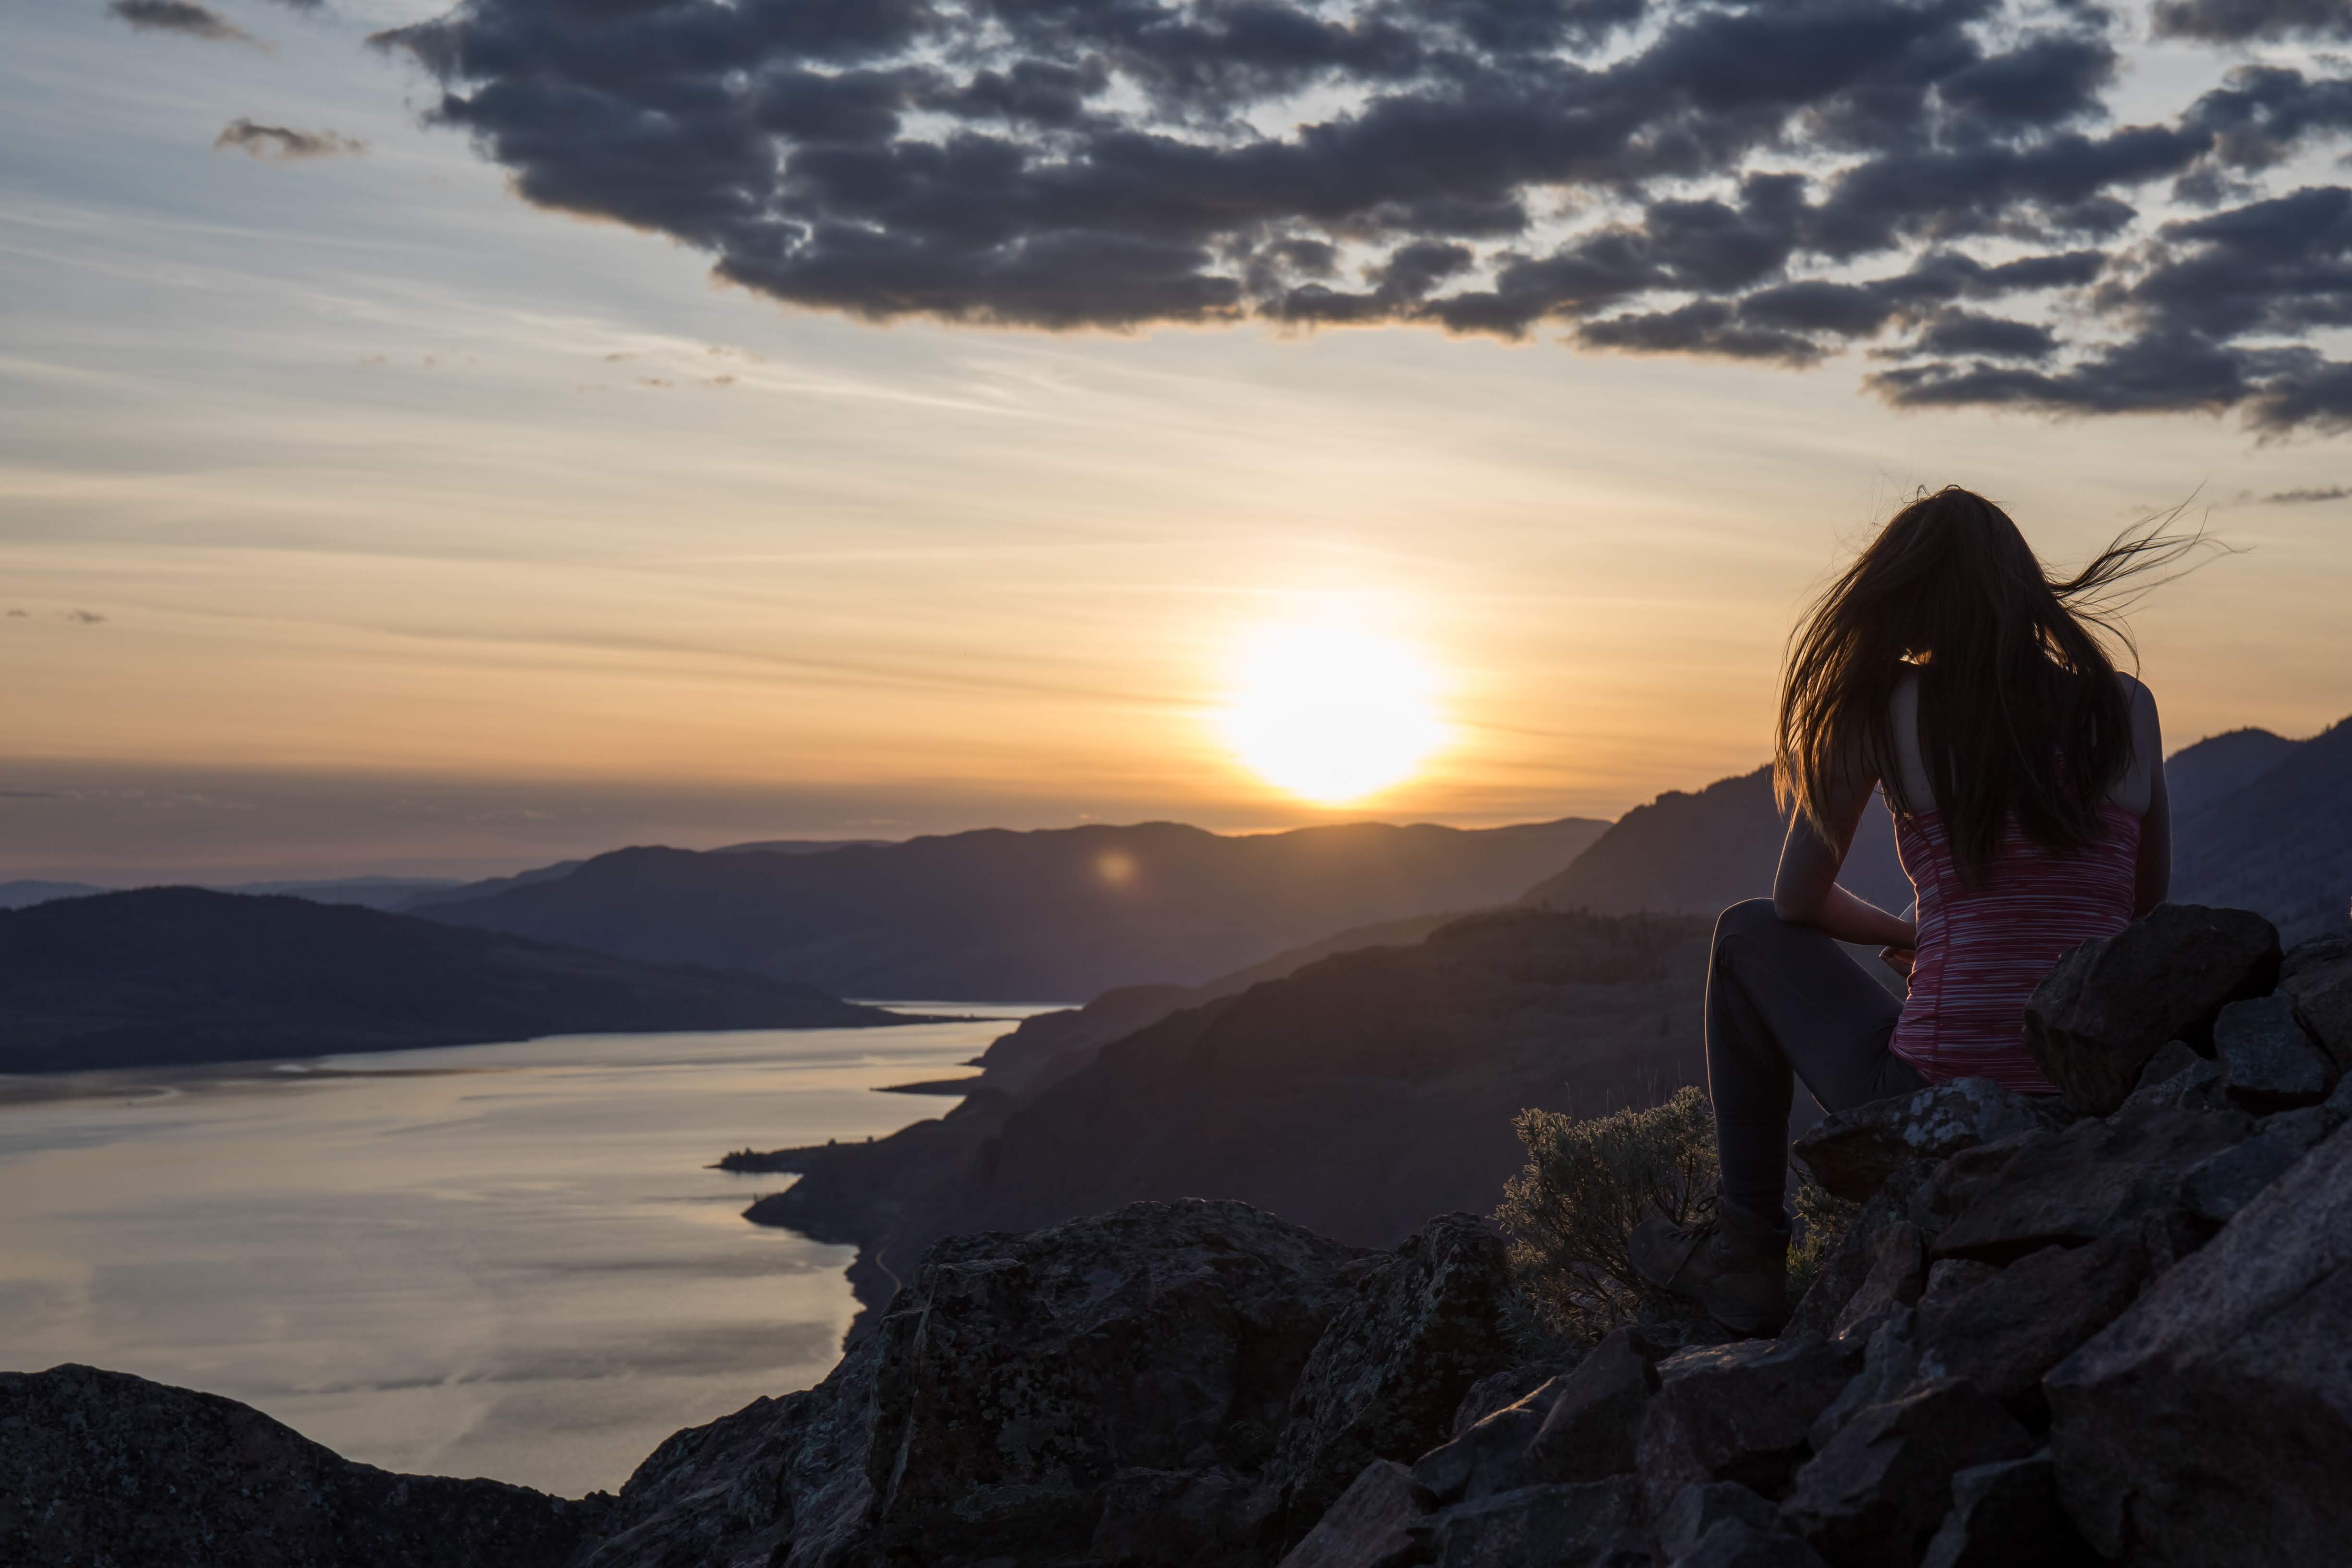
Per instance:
{"type": "Point", "coordinates": [180, 975]}
{"type": "Point", "coordinates": [2280, 842]}
{"type": "Point", "coordinates": [1022, 916]}
{"type": "Point", "coordinates": [2259, 822]}
{"type": "Point", "coordinates": [369, 891]}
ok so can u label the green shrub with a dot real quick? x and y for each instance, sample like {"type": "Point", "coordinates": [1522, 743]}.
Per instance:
{"type": "Point", "coordinates": [1588, 1183]}
{"type": "Point", "coordinates": [1821, 1224]}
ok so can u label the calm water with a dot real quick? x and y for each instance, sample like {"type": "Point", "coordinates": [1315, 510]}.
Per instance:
{"type": "Point", "coordinates": [499, 1259]}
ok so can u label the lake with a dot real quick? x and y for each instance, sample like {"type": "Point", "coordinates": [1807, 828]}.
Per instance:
{"type": "Point", "coordinates": [503, 1261]}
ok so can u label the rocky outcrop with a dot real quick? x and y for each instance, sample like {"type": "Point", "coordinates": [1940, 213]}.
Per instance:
{"type": "Point", "coordinates": [100, 1469]}
{"type": "Point", "coordinates": [2112, 1002]}
{"type": "Point", "coordinates": [1851, 1154]}
{"type": "Point", "coordinates": [2211, 1422]}
{"type": "Point", "coordinates": [1384, 1379]}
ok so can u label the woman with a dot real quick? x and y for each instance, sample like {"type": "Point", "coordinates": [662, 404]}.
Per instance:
{"type": "Point", "coordinates": [1945, 669]}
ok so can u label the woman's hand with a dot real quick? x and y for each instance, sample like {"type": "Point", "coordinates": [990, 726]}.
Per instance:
{"type": "Point", "coordinates": [1899, 959]}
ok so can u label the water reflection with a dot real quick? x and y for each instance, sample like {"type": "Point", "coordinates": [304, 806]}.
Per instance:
{"type": "Point", "coordinates": [504, 1260]}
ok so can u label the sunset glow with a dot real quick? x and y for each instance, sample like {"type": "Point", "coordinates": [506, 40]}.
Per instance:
{"type": "Point", "coordinates": [1332, 714]}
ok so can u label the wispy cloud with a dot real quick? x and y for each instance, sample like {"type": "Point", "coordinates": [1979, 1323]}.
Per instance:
{"type": "Point", "coordinates": [283, 143]}
{"type": "Point", "coordinates": [181, 17]}
{"type": "Point", "coordinates": [2305, 497]}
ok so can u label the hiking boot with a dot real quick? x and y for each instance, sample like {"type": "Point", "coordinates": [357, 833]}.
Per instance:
{"type": "Point", "coordinates": [1735, 1265]}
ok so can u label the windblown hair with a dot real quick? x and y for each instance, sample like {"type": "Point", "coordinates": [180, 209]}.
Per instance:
{"type": "Point", "coordinates": [2020, 715]}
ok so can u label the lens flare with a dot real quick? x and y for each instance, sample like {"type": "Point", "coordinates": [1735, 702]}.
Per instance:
{"type": "Point", "coordinates": [1330, 713]}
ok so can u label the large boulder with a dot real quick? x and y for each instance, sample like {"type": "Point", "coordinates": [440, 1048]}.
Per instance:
{"type": "Point", "coordinates": [1588, 1433]}
{"type": "Point", "coordinates": [102, 1468]}
{"type": "Point", "coordinates": [1019, 1375]}
{"type": "Point", "coordinates": [2111, 1003]}
{"type": "Point", "coordinates": [1380, 1522]}
{"type": "Point", "coordinates": [2269, 1059]}
{"type": "Point", "coordinates": [2005, 1515]}
{"type": "Point", "coordinates": [1875, 1495]}
{"type": "Point", "coordinates": [1849, 1153]}
{"type": "Point", "coordinates": [1736, 1413]}
{"type": "Point", "coordinates": [1588, 1526]}
{"type": "Point", "coordinates": [2095, 1178]}
{"type": "Point", "coordinates": [1385, 1378]}
{"type": "Point", "coordinates": [2210, 1425]}
{"type": "Point", "coordinates": [2319, 975]}
{"type": "Point", "coordinates": [2001, 1336]}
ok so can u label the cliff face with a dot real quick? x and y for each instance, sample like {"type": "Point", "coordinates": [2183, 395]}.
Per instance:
{"type": "Point", "coordinates": [2050, 1335]}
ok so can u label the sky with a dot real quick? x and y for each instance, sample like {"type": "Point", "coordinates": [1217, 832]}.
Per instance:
{"type": "Point", "coordinates": [441, 444]}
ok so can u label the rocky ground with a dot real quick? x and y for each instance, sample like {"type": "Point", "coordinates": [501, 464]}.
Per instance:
{"type": "Point", "coordinates": [2107, 1331]}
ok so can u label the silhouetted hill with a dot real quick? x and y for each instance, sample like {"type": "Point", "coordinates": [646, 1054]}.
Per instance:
{"type": "Point", "coordinates": [2198, 775]}
{"type": "Point", "coordinates": [2281, 844]}
{"type": "Point", "coordinates": [1021, 916]}
{"type": "Point", "coordinates": [1687, 854]}
{"type": "Point", "coordinates": [175, 974]}
{"type": "Point", "coordinates": [1354, 1095]}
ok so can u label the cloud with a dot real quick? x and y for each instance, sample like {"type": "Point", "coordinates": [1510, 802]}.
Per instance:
{"type": "Point", "coordinates": [284, 145]}
{"type": "Point", "coordinates": [82, 617]}
{"type": "Point", "coordinates": [181, 17]}
{"type": "Point", "coordinates": [2305, 497]}
{"type": "Point", "coordinates": [2238, 21]}
{"type": "Point", "coordinates": [1776, 181]}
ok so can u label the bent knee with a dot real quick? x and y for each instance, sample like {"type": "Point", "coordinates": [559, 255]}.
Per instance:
{"type": "Point", "coordinates": [1749, 917]}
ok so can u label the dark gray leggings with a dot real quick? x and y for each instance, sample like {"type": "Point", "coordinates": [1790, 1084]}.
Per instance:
{"type": "Point", "coordinates": [1784, 1002]}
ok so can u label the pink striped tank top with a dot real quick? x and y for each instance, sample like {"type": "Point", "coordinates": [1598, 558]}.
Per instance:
{"type": "Point", "coordinates": [1983, 949]}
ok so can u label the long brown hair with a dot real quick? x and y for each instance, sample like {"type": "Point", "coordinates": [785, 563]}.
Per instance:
{"type": "Point", "coordinates": [2020, 715]}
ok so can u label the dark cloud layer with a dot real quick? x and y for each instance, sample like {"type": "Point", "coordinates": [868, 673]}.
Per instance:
{"type": "Point", "coordinates": [1767, 180]}
{"type": "Point", "coordinates": [283, 143]}
{"type": "Point", "coordinates": [181, 17]}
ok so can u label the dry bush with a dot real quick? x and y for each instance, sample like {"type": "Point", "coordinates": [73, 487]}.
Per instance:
{"type": "Point", "coordinates": [1821, 1224]}
{"type": "Point", "coordinates": [1588, 1183]}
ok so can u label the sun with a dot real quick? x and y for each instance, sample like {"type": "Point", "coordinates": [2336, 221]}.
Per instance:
{"type": "Point", "coordinates": [1332, 713]}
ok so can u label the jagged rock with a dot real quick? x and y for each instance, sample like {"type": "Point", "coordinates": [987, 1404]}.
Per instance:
{"type": "Point", "coordinates": [1492, 1456]}
{"type": "Point", "coordinates": [1380, 1522]}
{"type": "Point", "coordinates": [2218, 1187]}
{"type": "Point", "coordinates": [1736, 1415]}
{"type": "Point", "coordinates": [2211, 1424]}
{"type": "Point", "coordinates": [1019, 1372]}
{"type": "Point", "coordinates": [1699, 1507]}
{"type": "Point", "coordinates": [1500, 1390]}
{"type": "Point", "coordinates": [1589, 1433]}
{"type": "Point", "coordinates": [1851, 1154]}
{"type": "Point", "coordinates": [2111, 1003]}
{"type": "Point", "coordinates": [2005, 1515]}
{"type": "Point", "coordinates": [2003, 1335]}
{"type": "Point", "coordinates": [1384, 1381]}
{"type": "Point", "coordinates": [2072, 1187]}
{"type": "Point", "coordinates": [105, 1468]}
{"type": "Point", "coordinates": [2172, 1060]}
{"type": "Point", "coordinates": [1174, 1519]}
{"type": "Point", "coordinates": [1591, 1524]}
{"type": "Point", "coordinates": [2269, 1061]}
{"type": "Point", "coordinates": [1950, 1278]}
{"type": "Point", "coordinates": [1900, 1200]}
{"type": "Point", "coordinates": [1874, 1497]}
{"type": "Point", "coordinates": [2319, 975]}
{"type": "Point", "coordinates": [1890, 1365]}
{"type": "Point", "coordinates": [1736, 1543]}
{"type": "Point", "coordinates": [1897, 1275]}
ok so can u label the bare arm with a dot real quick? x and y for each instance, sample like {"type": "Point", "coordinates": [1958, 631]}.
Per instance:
{"type": "Point", "coordinates": [1805, 891]}
{"type": "Point", "coordinates": [2152, 878]}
